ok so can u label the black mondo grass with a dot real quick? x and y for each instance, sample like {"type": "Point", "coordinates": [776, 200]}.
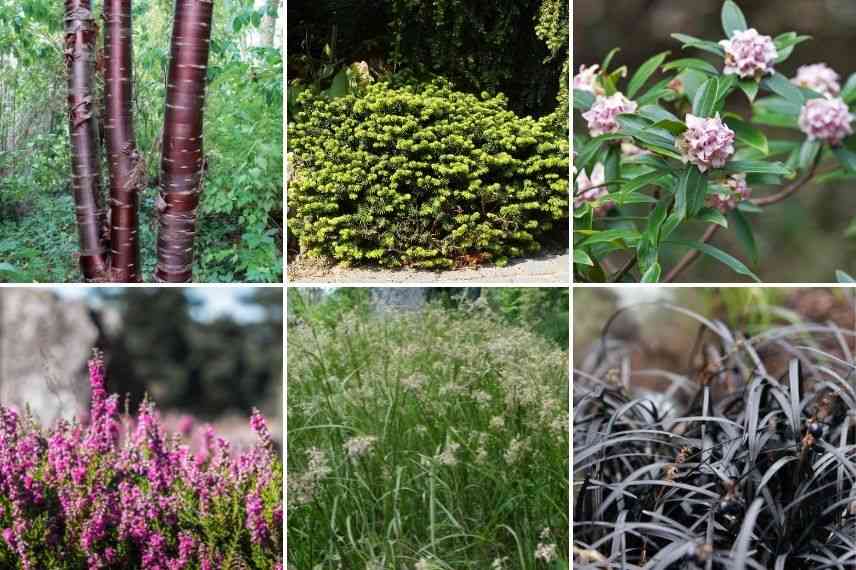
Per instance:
{"type": "Point", "coordinates": [747, 460]}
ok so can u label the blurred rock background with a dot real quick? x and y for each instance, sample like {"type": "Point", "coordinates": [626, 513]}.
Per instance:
{"type": "Point", "coordinates": [790, 234]}
{"type": "Point", "coordinates": [192, 359]}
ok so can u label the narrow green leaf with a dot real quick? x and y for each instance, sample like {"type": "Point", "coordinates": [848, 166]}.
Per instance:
{"type": "Point", "coordinates": [733, 19]}
{"type": "Point", "coordinates": [713, 216]}
{"type": "Point", "coordinates": [652, 275]}
{"type": "Point", "coordinates": [743, 231]}
{"type": "Point", "coordinates": [848, 92]}
{"type": "Point", "coordinates": [689, 193]}
{"type": "Point", "coordinates": [808, 153]}
{"type": "Point", "coordinates": [846, 157]}
{"type": "Point", "coordinates": [705, 98]}
{"type": "Point", "coordinates": [582, 258]}
{"type": "Point", "coordinates": [748, 135]}
{"type": "Point", "coordinates": [704, 45]}
{"type": "Point", "coordinates": [583, 100]}
{"type": "Point", "coordinates": [735, 264]}
{"type": "Point", "coordinates": [781, 85]}
{"type": "Point", "coordinates": [691, 63]}
{"type": "Point", "coordinates": [604, 66]}
{"type": "Point", "coordinates": [757, 167]}
{"type": "Point", "coordinates": [645, 71]}
{"type": "Point", "coordinates": [749, 87]}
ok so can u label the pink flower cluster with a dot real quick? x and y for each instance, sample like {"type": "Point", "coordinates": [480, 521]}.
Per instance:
{"type": "Point", "coordinates": [602, 115]}
{"type": "Point", "coordinates": [122, 493]}
{"type": "Point", "coordinates": [733, 191]}
{"type": "Point", "coordinates": [819, 77]}
{"type": "Point", "coordinates": [592, 190]}
{"type": "Point", "coordinates": [707, 142]}
{"type": "Point", "coordinates": [586, 80]}
{"type": "Point", "coordinates": [826, 120]}
{"type": "Point", "coordinates": [749, 54]}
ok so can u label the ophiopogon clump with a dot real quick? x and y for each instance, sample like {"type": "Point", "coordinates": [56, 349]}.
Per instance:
{"type": "Point", "coordinates": [752, 468]}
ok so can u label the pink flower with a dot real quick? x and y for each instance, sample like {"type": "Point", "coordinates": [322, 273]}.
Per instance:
{"type": "Point", "coordinates": [749, 54]}
{"type": "Point", "coordinates": [733, 191]}
{"type": "Point", "coordinates": [707, 143]}
{"type": "Point", "coordinates": [586, 80]}
{"type": "Point", "coordinates": [602, 115]}
{"type": "Point", "coordinates": [819, 77]}
{"type": "Point", "coordinates": [592, 190]}
{"type": "Point", "coordinates": [826, 120]}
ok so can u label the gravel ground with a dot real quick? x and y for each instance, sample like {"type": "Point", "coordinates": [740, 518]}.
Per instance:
{"type": "Point", "coordinates": [553, 268]}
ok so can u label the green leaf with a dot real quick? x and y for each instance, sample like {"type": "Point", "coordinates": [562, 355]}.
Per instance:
{"type": "Point", "coordinates": [652, 275]}
{"type": "Point", "coordinates": [690, 192]}
{"type": "Point", "coordinates": [748, 135]}
{"type": "Point", "coordinates": [785, 44]}
{"type": "Point", "coordinates": [843, 277]}
{"type": "Point", "coordinates": [655, 113]}
{"type": "Point", "coordinates": [605, 236]}
{"type": "Point", "coordinates": [582, 258]}
{"type": "Point", "coordinates": [749, 87]}
{"type": "Point", "coordinates": [340, 86]}
{"type": "Point", "coordinates": [735, 264]}
{"type": "Point", "coordinates": [733, 19]}
{"type": "Point", "coordinates": [757, 167]}
{"type": "Point", "coordinates": [704, 101]}
{"type": "Point", "coordinates": [781, 85]}
{"type": "Point", "coordinates": [808, 153]}
{"type": "Point", "coordinates": [604, 66]}
{"type": "Point", "coordinates": [704, 45]}
{"type": "Point", "coordinates": [583, 100]}
{"type": "Point", "coordinates": [743, 231]}
{"type": "Point", "coordinates": [645, 71]}
{"type": "Point", "coordinates": [713, 216]}
{"type": "Point", "coordinates": [691, 63]}
{"type": "Point", "coordinates": [848, 92]}
{"type": "Point", "coordinates": [674, 127]}
{"type": "Point", "coordinates": [846, 157]}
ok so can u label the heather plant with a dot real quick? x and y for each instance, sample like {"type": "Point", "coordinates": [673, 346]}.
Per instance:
{"type": "Point", "coordinates": [115, 491]}
{"type": "Point", "coordinates": [745, 459]}
{"type": "Point", "coordinates": [424, 176]}
{"type": "Point", "coordinates": [669, 149]}
{"type": "Point", "coordinates": [435, 439]}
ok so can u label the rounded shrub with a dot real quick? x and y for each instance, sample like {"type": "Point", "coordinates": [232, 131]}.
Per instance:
{"type": "Point", "coordinates": [424, 176]}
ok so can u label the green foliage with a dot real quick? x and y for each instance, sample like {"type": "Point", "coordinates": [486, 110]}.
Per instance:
{"type": "Point", "coordinates": [539, 309]}
{"type": "Point", "coordinates": [653, 200]}
{"type": "Point", "coordinates": [424, 176]}
{"type": "Point", "coordinates": [464, 422]}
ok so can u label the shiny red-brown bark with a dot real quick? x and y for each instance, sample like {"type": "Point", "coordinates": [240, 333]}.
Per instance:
{"type": "Point", "coordinates": [125, 163]}
{"type": "Point", "coordinates": [182, 161]}
{"type": "Point", "coordinates": [80, 40]}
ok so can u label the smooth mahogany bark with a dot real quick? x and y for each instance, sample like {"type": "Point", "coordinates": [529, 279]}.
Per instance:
{"type": "Point", "coordinates": [127, 170]}
{"type": "Point", "coordinates": [80, 41]}
{"type": "Point", "coordinates": [182, 160]}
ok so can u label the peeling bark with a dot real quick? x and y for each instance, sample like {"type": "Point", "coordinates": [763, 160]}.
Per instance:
{"type": "Point", "coordinates": [126, 167]}
{"type": "Point", "coordinates": [182, 160]}
{"type": "Point", "coordinates": [80, 40]}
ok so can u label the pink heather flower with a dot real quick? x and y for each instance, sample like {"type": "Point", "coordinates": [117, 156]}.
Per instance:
{"type": "Point", "coordinates": [826, 120]}
{"type": "Point", "coordinates": [749, 54]}
{"type": "Point", "coordinates": [586, 80]}
{"type": "Point", "coordinates": [593, 190]}
{"type": "Point", "coordinates": [707, 143]}
{"type": "Point", "coordinates": [733, 191]}
{"type": "Point", "coordinates": [602, 115]}
{"type": "Point", "coordinates": [185, 425]}
{"type": "Point", "coordinates": [819, 77]}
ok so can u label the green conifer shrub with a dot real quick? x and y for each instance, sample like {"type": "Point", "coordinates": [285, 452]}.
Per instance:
{"type": "Point", "coordinates": [424, 176]}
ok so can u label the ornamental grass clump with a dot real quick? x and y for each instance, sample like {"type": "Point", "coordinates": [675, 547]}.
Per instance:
{"type": "Point", "coordinates": [424, 176]}
{"type": "Point", "coordinates": [120, 492]}
{"type": "Point", "coordinates": [747, 459]}
{"type": "Point", "coordinates": [433, 440]}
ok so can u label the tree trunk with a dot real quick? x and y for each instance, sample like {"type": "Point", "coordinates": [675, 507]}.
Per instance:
{"type": "Point", "coordinates": [125, 163]}
{"type": "Point", "coordinates": [182, 161]}
{"type": "Point", "coordinates": [80, 38]}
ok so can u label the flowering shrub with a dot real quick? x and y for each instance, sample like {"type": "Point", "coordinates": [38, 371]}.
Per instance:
{"type": "Point", "coordinates": [432, 440]}
{"type": "Point", "coordinates": [424, 176]}
{"type": "Point", "coordinates": [676, 154]}
{"type": "Point", "coordinates": [119, 492]}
